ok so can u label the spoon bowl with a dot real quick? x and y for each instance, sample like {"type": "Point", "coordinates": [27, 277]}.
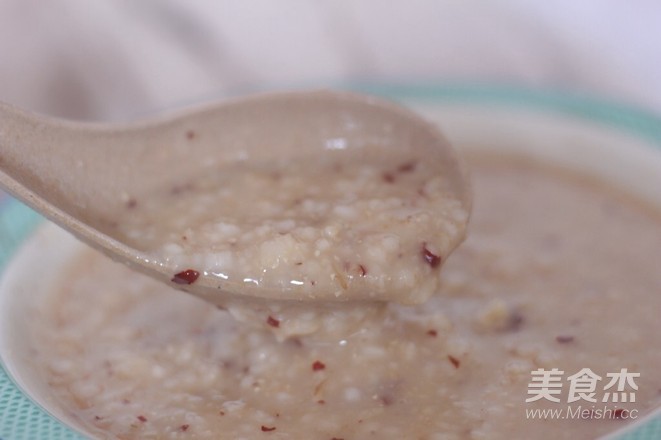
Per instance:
{"type": "Point", "coordinates": [80, 175]}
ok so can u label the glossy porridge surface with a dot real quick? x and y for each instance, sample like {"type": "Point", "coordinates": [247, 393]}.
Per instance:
{"type": "Point", "coordinates": [353, 224]}
{"type": "Point", "coordinates": [557, 272]}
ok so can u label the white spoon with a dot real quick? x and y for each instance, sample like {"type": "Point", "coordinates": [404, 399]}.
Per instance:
{"type": "Point", "coordinates": [79, 174]}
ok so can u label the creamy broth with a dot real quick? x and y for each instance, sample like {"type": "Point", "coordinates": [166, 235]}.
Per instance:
{"type": "Point", "coordinates": [557, 272]}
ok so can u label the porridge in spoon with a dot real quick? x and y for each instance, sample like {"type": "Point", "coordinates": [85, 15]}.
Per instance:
{"type": "Point", "coordinates": [354, 224]}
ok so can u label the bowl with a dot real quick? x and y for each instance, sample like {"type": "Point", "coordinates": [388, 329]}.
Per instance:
{"type": "Point", "coordinates": [620, 145]}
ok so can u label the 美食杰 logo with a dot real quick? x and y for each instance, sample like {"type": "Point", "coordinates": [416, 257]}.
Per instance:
{"type": "Point", "coordinates": [585, 387]}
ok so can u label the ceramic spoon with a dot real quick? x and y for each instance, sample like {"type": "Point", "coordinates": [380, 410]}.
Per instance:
{"type": "Point", "coordinates": [78, 174]}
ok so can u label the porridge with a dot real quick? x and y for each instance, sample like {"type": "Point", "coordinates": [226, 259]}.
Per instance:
{"type": "Point", "coordinates": [557, 272]}
{"type": "Point", "coordinates": [345, 225]}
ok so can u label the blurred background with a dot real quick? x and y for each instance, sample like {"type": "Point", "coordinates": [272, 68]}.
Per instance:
{"type": "Point", "coordinates": [115, 59]}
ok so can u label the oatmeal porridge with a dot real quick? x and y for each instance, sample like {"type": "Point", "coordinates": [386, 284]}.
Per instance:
{"type": "Point", "coordinates": [557, 272]}
{"type": "Point", "coordinates": [352, 224]}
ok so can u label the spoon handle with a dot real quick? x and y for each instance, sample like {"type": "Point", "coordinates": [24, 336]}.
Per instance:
{"type": "Point", "coordinates": [52, 163]}
{"type": "Point", "coordinates": [26, 143]}
{"type": "Point", "coordinates": [35, 157]}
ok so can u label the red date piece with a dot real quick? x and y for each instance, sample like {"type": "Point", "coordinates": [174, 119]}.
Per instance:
{"type": "Point", "coordinates": [406, 167]}
{"type": "Point", "coordinates": [388, 177]}
{"type": "Point", "coordinates": [272, 322]}
{"type": "Point", "coordinates": [620, 413]}
{"type": "Point", "coordinates": [188, 276]}
{"type": "Point", "coordinates": [431, 258]}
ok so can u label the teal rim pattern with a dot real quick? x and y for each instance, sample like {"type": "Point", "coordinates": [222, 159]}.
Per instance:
{"type": "Point", "coordinates": [21, 419]}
